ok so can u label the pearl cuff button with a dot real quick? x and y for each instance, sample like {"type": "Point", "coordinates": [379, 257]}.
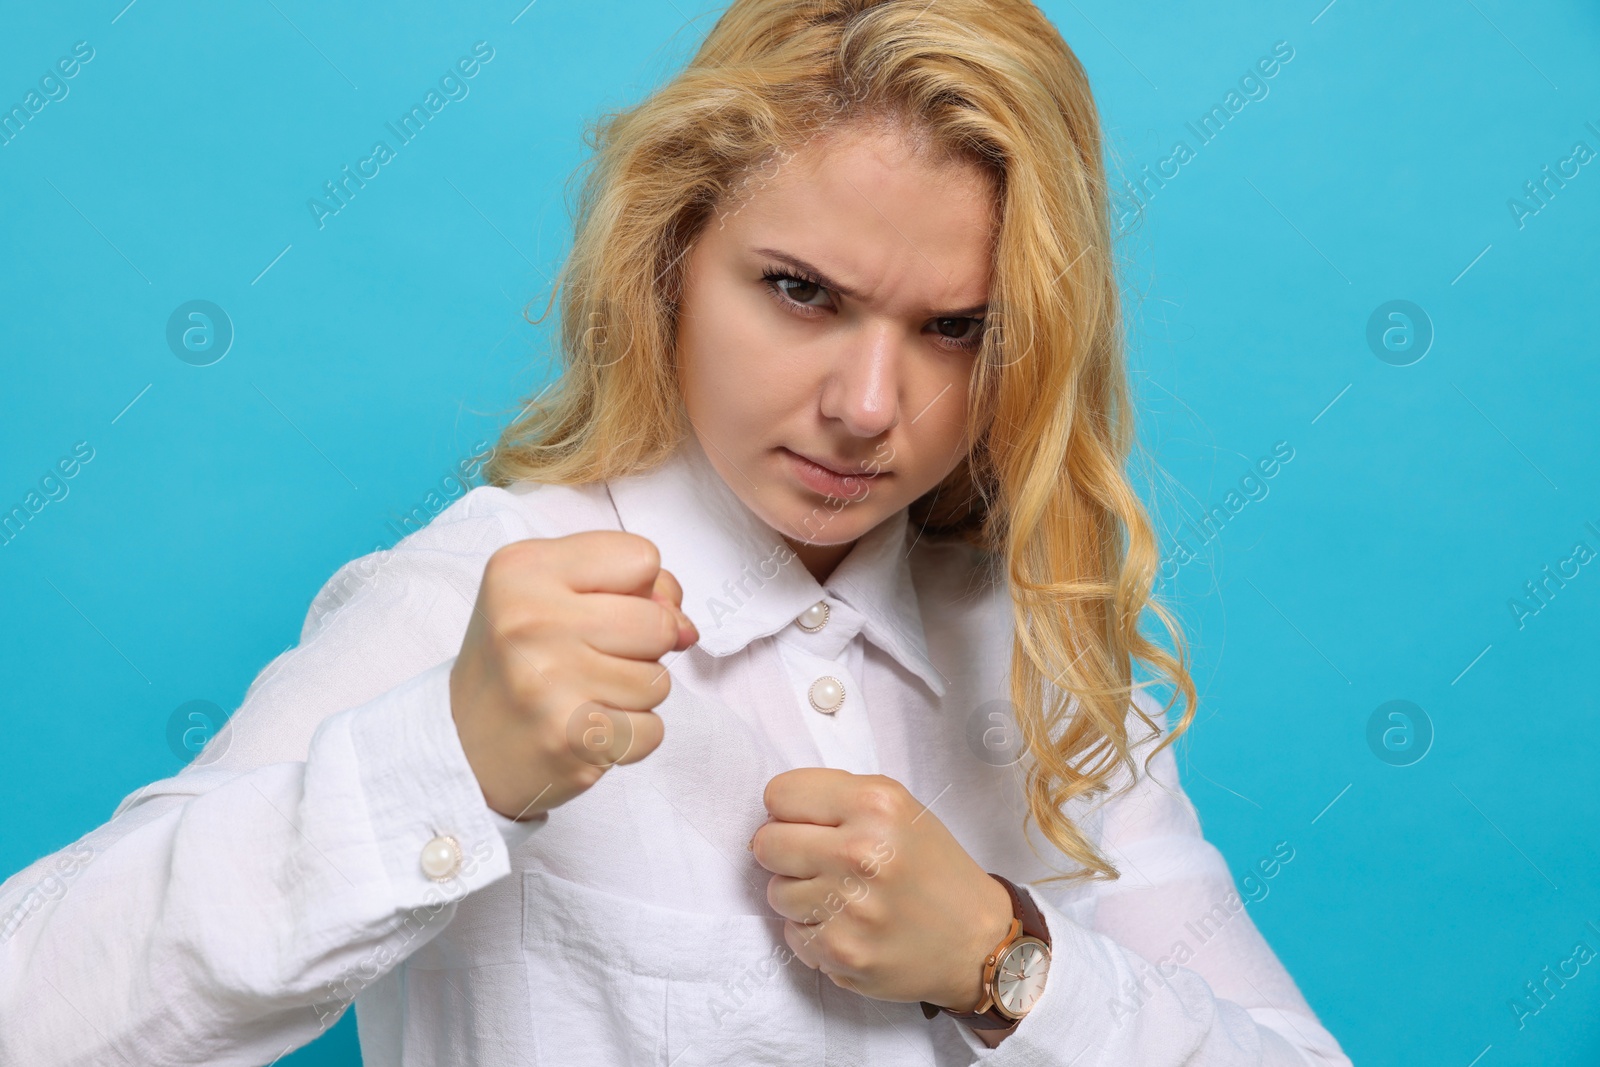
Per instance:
{"type": "Point", "coordinates": [814, 618]}
{"type": "Point", "coordinates": [441, 858]}
{"type": "Point", "coordinates": [827, 694]}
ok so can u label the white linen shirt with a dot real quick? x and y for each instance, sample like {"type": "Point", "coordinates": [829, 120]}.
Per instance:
{"type": "Point", "coordinates": [303, 861]}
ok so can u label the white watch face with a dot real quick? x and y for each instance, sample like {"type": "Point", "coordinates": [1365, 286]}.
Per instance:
{"type": "Point", "coordinates": [1019, 977]}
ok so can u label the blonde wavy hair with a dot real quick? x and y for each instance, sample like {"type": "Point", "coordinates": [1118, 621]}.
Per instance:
{"type": "Point", "coordinates": [1043, 488]}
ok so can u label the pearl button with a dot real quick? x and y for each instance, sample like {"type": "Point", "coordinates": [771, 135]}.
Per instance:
{"type": "Point", "coordinates": [441, 858]}
{"type": "Point", "coordinates": [827, 695]}
{"type": "Point", "coordinates": [814, 618]}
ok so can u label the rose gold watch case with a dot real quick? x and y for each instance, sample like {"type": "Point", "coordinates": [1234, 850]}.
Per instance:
{"type": "Point", "coordinates": [991, 992]}
{"type": "Point", "coordinates": [991, 967]}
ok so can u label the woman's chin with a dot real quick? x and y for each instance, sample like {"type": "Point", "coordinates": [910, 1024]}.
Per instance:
{"type": "Point", "coordinates": [811, 519]}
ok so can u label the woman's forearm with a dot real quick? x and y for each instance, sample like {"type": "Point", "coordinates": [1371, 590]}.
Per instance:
{"type": "Point", "coordinates": [234, 923]}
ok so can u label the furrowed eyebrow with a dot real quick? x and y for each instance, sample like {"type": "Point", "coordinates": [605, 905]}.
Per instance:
{"type": "Point", "coordinates": [844, 290]}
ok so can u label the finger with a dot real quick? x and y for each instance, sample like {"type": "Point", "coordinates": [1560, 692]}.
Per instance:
{"type": "Point", "coordinates": [794, 849]}
{"type": "Point", "coordinates": [630, 684]}
{"type": "Point", "coordinates": [688, 632]}
{"type": "Point", "coordinates": [667, 583]}
{"type": "Point", "coordinates": [604, 736]}
{"type": "Point", "coordinates": [608, 561]}
{"type": "Point", "coordinates": [668, 591]}
{"type": "Point", "coordinates": [802, 941]}
{"type": "Point", "coordinates": [800, 900]}
{"type": "Point", "coordinates": [628, 626]}
{"type": "Point", "coordinates": [815, 900]}
{"type": "Point", "coordinates": [648, 731]}
{"type": "Point", "coordinates": [820, 795]}
{"type": "Point", "coordinates": [841, 981]}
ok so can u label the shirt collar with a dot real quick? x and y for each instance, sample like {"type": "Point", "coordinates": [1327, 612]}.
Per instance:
{"type": "Point", "coordinates": [742, 582]}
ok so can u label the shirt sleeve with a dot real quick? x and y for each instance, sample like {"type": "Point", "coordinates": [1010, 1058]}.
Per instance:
{"type": "Point", "coordinates": [232, 912]}
{"type": "Point", "coordinates": [1215, 994]}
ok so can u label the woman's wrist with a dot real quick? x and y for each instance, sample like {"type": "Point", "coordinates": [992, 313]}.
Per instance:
{"type": "Point", "coordinates": [964, 982]}
{"type": "Point", "coordinates": [997, 925]}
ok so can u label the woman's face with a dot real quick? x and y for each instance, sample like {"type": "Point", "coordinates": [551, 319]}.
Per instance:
{"type": "Point", "coordinates": [834, 312]}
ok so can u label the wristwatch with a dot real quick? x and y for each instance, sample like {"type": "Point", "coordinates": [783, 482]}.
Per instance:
{"type": "Point", "coordinates": [1013, 973]}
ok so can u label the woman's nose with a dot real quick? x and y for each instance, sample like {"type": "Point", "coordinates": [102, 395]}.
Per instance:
{"type": "Point", "coordinates": [863, 389]}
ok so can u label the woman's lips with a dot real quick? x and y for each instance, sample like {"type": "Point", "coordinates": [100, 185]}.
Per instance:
{"type": "Point", "coordinates": [829, 482]}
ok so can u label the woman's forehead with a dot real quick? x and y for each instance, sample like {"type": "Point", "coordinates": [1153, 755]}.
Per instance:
{"type": "Point", "coordinates": [873, 213]}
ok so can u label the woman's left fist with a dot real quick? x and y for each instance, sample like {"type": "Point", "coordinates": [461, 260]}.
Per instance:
{"type": "Point", "coordinates": [875, 891]}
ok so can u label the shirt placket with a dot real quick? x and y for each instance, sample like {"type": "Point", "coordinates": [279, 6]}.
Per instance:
{"type": "Point", "coordinates": [822, 652]}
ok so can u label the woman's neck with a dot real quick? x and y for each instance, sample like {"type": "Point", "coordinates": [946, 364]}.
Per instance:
{"type": "Point", "coordinates": [820, 560]}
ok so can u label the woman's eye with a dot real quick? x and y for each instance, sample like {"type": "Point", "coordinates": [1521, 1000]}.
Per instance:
{"type": "Point", "coordinates": [798, 289]}
{"type": "Point", "coordinates": [965, 330]}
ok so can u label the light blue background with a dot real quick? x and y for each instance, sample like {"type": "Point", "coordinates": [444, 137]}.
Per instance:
{"type": "Point", "coordinates": [379, 350]}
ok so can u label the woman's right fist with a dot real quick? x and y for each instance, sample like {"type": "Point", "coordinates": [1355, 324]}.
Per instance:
{"type": "Point", "coordinates": [558, 669]}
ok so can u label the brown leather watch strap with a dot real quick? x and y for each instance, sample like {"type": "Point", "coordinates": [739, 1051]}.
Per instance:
{"type": "Point", "coordinates": [1024, 909]}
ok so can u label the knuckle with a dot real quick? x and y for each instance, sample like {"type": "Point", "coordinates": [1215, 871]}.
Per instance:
{"type": "Point", "coordinates": [498, 562]}
{"type": "Point", "coordinates": [871, 913]}
{"type": "Point", "coordinates": [857, 853]}
{"type": "Point", "coordinates": [529, 680]}
{"type": "Point", "coordinates": [878, 801]}
{"type": "Point", "coordinates": [849, 954]}
{"type": "Point", "coordinates": [562, 731]}
{"type": "Point", "coordinates": [641, 553]}
{"type": "Point", "coordinates": [511, 557]}
{"type": "Point", "coordinates": [499, 610]}
{"type": "Point", "coordinates": [585, 775]}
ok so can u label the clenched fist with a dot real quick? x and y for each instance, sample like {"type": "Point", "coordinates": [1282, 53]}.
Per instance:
{"type": "Point", "coordinates": [558, 671]}
{"type": "Point", "coordinates": [878, 893]}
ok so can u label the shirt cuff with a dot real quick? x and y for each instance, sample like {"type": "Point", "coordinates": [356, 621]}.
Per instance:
{"type": "Point", "coordinates": [437, 837]}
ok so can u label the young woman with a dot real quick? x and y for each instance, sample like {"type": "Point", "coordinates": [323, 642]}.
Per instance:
{"type": "Point", "coordinates": [777, 702]}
